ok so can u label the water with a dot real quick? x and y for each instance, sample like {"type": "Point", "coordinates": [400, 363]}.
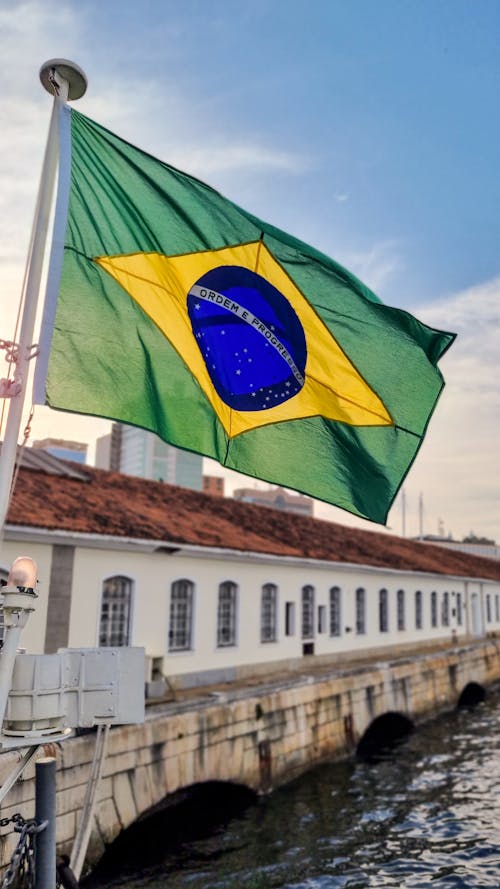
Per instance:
{"type": "Point", "coordinates": [426, 815]}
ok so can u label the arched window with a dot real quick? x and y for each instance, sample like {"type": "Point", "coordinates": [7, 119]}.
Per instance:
{"type": "Point", "coordinates": [335, 611]}
{"type": "Point", "coordinates": [226, 614]}
{"type": "Point", "coordinates": [418, 610]}
{"type": "Point", "coordinates": [116, 606]}
{"type": "Point", "coordinates": [400, 602]}
{"type": "Point", "coordinates": [308, 612]}
{"type": "Point", "coordinates": [360, 611]}
{"type": "Point", "coordinates": [434, 609]}
{"type": "Point", "coordinates": [383, 611]}
{"type": "Point", "coordinates": [3, 577]}
{"type": "Point", "coordinates": [180, 629]}
{"type": "Point", "coordinates": [445, 610]}
{"type": "Point", "coordinates": [268, 612]}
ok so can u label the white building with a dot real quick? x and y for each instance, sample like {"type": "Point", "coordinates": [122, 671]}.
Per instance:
{"type": "Point", "coordinates": [477, 548]}
{"type": "Point", "coordinates": [216, 589]}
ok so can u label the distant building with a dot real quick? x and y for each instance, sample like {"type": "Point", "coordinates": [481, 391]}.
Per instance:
{"type": "Point", "coordinates": [108, 449]}
{"type": "Point", "coordinates": [489, 549]}
{"type": "Point", "coordinates": [137, 452]}
{"type": "Point", "coordinates": [213, 484]}
{"type": "Point", "coordinates": [63, 450]}
{"type": "Point", "coordinates": [276, 498]}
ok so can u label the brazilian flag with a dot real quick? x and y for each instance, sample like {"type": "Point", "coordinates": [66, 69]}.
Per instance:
{"type": "Point", "coordinates": [170, 308]}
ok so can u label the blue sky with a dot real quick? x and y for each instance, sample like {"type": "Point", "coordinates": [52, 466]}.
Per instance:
{"type": "Point", "coordinates": [389, 109]}
{"type": "Point", "coordinates": [369, 129]}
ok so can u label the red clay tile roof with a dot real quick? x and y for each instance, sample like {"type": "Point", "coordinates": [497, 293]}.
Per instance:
{"type": "Point", "coordinates": [99, 502]}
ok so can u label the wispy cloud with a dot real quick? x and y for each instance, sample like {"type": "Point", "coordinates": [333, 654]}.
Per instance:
{"type": "Point", "coordinates": [377, 265]}
{"type": "Point", "coordinates": [30, 33]}
{"type": "Point", "coordinates": [246, 157]}
{"type": "Point", "coordinates": [457, 468]}
{"type": "Point", "coordinates": [472, 365]}
{"type": "Point", "coordinates": [131, 109]}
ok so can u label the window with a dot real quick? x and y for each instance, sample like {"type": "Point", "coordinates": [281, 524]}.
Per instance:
{"type": "Point", "coordinates": [400, 600]}
{"type": "Point", "coordinates": [497, 608]}
{"type": "Point", "coordinates": [459, 609]}
{"type": "Point", "coordinates": [445, 610]}
{"type": "Point", "coordinates": [116, 606]}
{"type": "Point", "coordinates": [418, 610]}
{"type": "Point", "coordinates": [308, 612]}
{"type": "Point", "coordinates": [434, 609]}
{"type": "Point", "coordinates": [226, 614]}
{"type": "Point", "coordinates": [383, 612]}
{"type": "Point", "coordinates": [488, 608]}
{"type": "Point", "coordinates": [322, 619]}
{"type": "Point", "coordinates": [268, 612]}
{"type": "Point", "coordinates": [360, 611]}
{"type": "Point", "coordinates": [181, 616]}
{"type": "Point", "coordinates": [289, 618]}
{"type": "Point", "coordinates": [335, 611]}
{"type": "Point", "coordinates": [3, 577]}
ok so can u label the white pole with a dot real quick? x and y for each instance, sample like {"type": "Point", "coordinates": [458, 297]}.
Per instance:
{"type": "Point", "coordinates": [65, 80]}
{"type": "Point", "coordinates": [81, 841]}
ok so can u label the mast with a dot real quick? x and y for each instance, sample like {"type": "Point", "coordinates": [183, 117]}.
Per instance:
{"type": "Point", "coordinates": [64, 80]}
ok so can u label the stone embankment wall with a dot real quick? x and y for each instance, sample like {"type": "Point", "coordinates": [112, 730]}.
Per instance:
{"type": "Point", "coordinates": [260, 736]}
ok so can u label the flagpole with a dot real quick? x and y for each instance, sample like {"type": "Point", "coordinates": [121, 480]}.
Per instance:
{"type": "Point", "coordinates": [64, 80]}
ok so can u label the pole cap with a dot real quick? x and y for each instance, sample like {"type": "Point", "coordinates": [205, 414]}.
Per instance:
{"type": "Point", "coordinates": [70, 71]}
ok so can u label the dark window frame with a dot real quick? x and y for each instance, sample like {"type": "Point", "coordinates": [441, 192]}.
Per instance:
{"type": "Point", "coordinates": [180, 629]}
{"type": "Point", "coordinates": [419, 616]}
{"type": "Point", "coordinates": [335, 611]}
{"type": "Point", "coordinates": [401, 609]}
{"type": "Point", "coordinates": [227, 604]}
{"type": "Point", "coordinates": [115, 618]}
{"type": "Point", "coordinates": [269, 613]}
{"type": "Point", "coordinates": [308, 600]}
{"type": "Point", "coordinates": [360, 611]}
{"type": "Point", "coordinates": [383, 610]}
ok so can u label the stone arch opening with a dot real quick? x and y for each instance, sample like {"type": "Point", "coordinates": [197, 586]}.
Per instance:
{"type": "Point", "coordinates": [472, 695]}
{"type": "Point", "coordinates": [166, 830]}
{"type": "Point", "coordinates": [383, 734]}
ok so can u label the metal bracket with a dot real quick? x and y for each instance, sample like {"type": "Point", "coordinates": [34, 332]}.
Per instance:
{"type": "Point", "coordinates": [17, 771]}
{"type": "Point", "coordinates": [9, 388]}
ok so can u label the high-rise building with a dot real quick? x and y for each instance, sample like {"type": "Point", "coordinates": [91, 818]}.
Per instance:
{"type": "Point", "coordinates": [135, 451]}
{"type": "Point", "coordinates": [108, 449]}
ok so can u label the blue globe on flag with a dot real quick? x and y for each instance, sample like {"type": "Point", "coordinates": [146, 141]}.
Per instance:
{"type": "Point", "coordinates": [250, 337]}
